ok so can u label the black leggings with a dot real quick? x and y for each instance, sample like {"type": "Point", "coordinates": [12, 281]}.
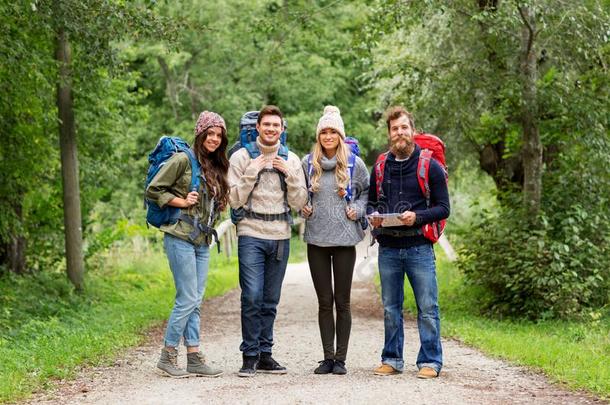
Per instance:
{"type": "Point", "coordinates": [342, 259]}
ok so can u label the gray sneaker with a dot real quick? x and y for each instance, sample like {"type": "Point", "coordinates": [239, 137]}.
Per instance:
{"type": "Point", "coordinates": [168, 364]}
{"type": "Point", "coordinates": [195, 364]}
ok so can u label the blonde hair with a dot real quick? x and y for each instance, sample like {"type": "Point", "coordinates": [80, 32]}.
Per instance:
{"type": "Point", "coordinates": [341, 175]}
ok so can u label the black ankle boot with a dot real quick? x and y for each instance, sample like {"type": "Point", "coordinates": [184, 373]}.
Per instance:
{"type": "Point", "coordinates": [267, 364]}
{"type": "Point", "coordinates": [248, 368]}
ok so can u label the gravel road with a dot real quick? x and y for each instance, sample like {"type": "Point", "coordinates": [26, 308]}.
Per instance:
{"type": "Point", "coordinates": [467, 377]}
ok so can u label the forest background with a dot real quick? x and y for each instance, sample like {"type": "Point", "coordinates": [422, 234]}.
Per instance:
{"type": "Point", "coordinates": [518, 90]}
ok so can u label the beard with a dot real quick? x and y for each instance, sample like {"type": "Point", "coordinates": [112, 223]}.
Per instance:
{"type": "Point", "coordinates": [402, 147]}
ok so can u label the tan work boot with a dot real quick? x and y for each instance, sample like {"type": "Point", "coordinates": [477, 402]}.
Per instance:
{"type": "Point", "coordinates": [427, 372]}
{"type": "Point", "coordinates": [386, 369]}
{"type": "Point", "coordinates": [168, 364]}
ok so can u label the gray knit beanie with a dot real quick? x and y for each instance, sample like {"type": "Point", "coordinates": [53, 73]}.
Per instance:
{"type": "Point", "coordinates": [331, 119]}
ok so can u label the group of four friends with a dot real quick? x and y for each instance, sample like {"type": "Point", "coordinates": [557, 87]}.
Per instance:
{"type": "Point", "coordinates": [262, 191]}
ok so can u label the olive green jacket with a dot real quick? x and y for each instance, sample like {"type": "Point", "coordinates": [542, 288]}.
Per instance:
{"type": "Point", "coordinates": [174, 180]}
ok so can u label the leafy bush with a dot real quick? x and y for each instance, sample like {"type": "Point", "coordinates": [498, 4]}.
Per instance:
{"type": "Point", "coordinates": [575, 353]}
{"type": "Point", "coordinates": [560, 265]}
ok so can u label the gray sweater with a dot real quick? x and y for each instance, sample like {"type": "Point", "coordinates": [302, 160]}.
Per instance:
{"type": "Point", "coordinates": [329, 225]}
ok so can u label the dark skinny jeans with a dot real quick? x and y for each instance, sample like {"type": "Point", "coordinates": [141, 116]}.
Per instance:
{"type": "Point", "coordinates": [342, 259]}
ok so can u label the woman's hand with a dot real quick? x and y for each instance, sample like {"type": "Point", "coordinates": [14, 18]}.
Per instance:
{"type": "Point", "coordinates": [306, 211]}
{"type": "Point", "coordinates": [191, 199]}
{"type": "Point", "coordinates": [351, 213]}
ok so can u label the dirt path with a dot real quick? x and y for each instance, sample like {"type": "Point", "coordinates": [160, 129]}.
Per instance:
{"type": "Point", "coordinates": [468, 376]}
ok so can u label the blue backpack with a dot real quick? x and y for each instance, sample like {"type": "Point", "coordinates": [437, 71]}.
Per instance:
{"type": "Point", "coordinates": [247, 140]}
{"type": "Point", "coordinates": [165, 149]}
{"type": "Point", "coordinates": [352, 143]}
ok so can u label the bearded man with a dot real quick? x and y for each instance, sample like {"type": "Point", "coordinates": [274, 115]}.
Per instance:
{"type": "Point", "coordinates": [404, 250]}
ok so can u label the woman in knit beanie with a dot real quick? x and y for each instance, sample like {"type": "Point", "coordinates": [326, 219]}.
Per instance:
{"type": "Point", "coordinates": [332, 229]}
{"type": "Point", "coordinates": [187, 239]}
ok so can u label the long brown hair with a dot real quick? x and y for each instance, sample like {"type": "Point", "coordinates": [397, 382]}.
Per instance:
{"type": "Point", "coordinates": [215, 167]}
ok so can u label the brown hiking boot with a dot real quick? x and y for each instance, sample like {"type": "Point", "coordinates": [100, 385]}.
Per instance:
{"type": "Point", "coordinates": [168, 364]}
{"type": "Point", "coordinates": [386, 369]}
{"type": "Point", "coordinates": [427, 372]}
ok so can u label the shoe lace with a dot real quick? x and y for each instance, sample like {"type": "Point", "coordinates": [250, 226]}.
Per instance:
{"type": "Point", "coordinates": [200, 357]}
{"type": "Point", "coordinates": [172, 356]}
{"type": "Point", "coordinates": [326, 362]}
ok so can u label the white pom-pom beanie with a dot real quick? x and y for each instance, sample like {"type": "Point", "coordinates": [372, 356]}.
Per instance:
{"type": "Point", "coordinates": [331, 119]}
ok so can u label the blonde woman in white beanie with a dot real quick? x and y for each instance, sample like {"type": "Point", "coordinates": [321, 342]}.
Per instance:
{"type": "Point", "coordinates": [332, 229]}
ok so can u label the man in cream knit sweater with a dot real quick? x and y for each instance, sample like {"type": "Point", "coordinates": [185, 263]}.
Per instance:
{"type": "Point", "coordinates": [264, 189]}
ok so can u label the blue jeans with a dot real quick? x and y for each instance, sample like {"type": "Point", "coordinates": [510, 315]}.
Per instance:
{"type": "Point", "coordinates": [418, 264]}
{"type": "Point", "coordinates": [262, 265]}
{"type": "Point", "coordinates": [189, 266]}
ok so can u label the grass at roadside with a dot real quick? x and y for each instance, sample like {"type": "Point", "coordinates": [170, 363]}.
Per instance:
{"type": "Point", "coordinates": [298, 250]}
{"type": "Point", "coordinates": [573, 353]}
{"type": "Point", "coordinates": [47, 331]}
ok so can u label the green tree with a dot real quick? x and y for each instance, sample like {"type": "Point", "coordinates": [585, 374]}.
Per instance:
{"type": "Point", "coordinates": [522, 86]}
{"type": "Point", "coordinates": [87, 31]}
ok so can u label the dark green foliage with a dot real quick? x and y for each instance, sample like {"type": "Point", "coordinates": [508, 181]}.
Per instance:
{"type": "Point", "coordinates": [536, 273]}
{"type": "Point", "coordinates": [560, 265]}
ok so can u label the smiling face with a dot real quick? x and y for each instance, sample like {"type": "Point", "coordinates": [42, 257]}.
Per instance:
{"type": "Point", "coordinates": [213, 139]}
{"type": "Point", "coordinates": [269, 129]}
{"type": "Point", "coordinates": [401, 132]}
{"type": "Point", "coordinates": [329, 140]}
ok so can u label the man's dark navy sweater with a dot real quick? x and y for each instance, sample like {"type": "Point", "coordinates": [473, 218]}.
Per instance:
{"type": "Point", "coordinates": [401, 192]}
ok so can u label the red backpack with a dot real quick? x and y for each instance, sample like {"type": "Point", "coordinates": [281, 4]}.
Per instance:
{"type": "Point", "coordinates": [432, 148]}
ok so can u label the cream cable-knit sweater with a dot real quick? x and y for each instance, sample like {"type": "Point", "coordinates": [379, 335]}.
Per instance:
{"type": "Point", "coordinates": [267, 197]}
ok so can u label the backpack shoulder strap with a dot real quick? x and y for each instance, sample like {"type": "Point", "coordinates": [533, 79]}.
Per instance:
{"type": "Point", "coordinates": [252, 150]}
{"type": "Point", "coordinates": [283, 152]}
{"type": "Point", "coordinates": [379, 169]}
{"type": "Point", "coordinates": [308, 174]}
{"type": "Point", "coordinates": [423, 173]}
{"type": "Point", "coordinates": [195, 170]}
{"type": "Point", "coordinates": [351, 164]}
{"type": "Point", "coordinates": [309, 168]}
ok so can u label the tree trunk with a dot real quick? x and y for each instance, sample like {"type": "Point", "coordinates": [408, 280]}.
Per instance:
{"type": "Point", "coordinates": [190, 87]}
{"type": "Point", "coordinates": [193, 96]}
{"type": "Point", "coordinates": [532, 146]}
{"type": "Point", "coordinates": [172, 91]}
{"type": "Point", "coordinates": [12, 252]}
{"type": "Point", "coordinates": [69, 165]}
{"type": "Point", "coordinates": [506, 172]}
